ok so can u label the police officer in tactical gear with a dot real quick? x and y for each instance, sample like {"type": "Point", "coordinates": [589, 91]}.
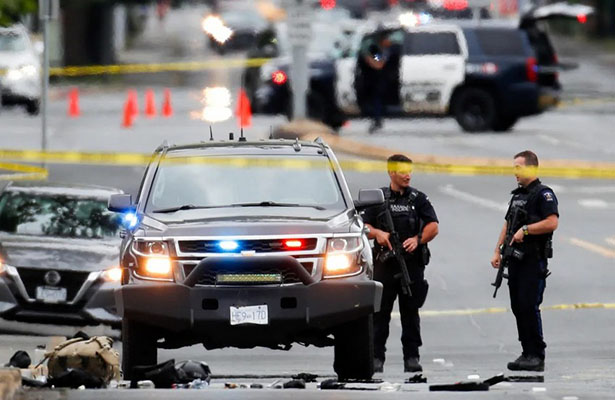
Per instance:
{"type": "Point", "coordinates": [416, 223]}
{"type": "Point", "coordinates": [527, 274]}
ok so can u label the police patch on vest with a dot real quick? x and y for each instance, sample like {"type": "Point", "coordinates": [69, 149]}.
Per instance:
{"type": "Point", "coordinates": [399, 208]}
{"type": "Point", "coordinates": [548, 196]}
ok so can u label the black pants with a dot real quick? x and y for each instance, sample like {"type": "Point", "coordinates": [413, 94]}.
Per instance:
{"type": "Point", "coordinates": [410, 320]}
{"type": "Point", "coordinates": [526, 283]}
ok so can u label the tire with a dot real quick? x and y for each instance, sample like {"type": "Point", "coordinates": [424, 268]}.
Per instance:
{"type": "Point", "coordinates": [33, 107]}
{"type": "Point", "coordinates": [138, 346]}
{"type": "Point", "coordinates": [504, 124]}
{"type": "Point", "coordinates": [354, 349]}
{"type": "Point", "coordinates": [474, 109]}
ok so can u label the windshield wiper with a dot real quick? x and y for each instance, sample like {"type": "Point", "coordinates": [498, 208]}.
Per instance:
{"type": "Point", "coordinates": [180, 208]}
{"type": "Point", "coordinates": [274, 204]}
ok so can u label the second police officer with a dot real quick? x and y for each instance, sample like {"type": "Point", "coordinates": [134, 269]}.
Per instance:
{"type": "Point", "coordinates": [416, 223]}
{"type": "Point", "coordinates": [528, 271]}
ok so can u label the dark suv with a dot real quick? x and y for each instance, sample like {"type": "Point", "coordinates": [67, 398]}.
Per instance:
{"type": "Point", "coordinates": [244, 244]}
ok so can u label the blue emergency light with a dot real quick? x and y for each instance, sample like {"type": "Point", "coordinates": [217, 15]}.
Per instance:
{"type": "Point", "coordinates": [228, 245]}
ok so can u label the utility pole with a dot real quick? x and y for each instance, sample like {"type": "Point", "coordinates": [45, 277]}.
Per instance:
{"type": "Point", "coordinates": [299, 27]}
{"type": "Point", "coordinates": [47, 10]}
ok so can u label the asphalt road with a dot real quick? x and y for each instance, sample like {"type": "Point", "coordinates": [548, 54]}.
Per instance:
{"type": "Point", "coordinates": [461, 338]}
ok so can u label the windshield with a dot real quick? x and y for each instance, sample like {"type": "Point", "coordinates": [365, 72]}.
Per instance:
{"type": "Point", "coordinates": [12, 42]}
{"type": "Point", "coordinates": [219, 181]}
{"type": "Point", "coordinates": [58, 216]}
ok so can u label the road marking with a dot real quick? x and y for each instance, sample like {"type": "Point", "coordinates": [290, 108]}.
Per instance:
{"type": "Point", "coordinates": [598, 204]}
{"type": "Point", "coordinates": [500, 310]}
{"type": "Point", "coordinates": [470, 198]}
{"type": "Point", "coordinates": [603, 251]}
{"type": "Point", "coordinates": [25, 172]}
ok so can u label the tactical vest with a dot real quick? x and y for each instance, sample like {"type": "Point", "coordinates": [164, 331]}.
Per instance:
{"type": "Point", "coordinates": [542, 244]}
{"type": "Point", "coordinates": [414, 223]}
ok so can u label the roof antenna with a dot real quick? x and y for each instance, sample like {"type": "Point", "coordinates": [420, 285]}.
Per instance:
{"type": "Point", "coordinates": [242, 138]}
{"type": "Point", "coordinates": [297, 145]}
{"type": "Point", "coordinates": [211, 134]}
{"type": "Point", "coordinates": [270, 132]}
{"type": "Point", "coordinates": [231, 136]}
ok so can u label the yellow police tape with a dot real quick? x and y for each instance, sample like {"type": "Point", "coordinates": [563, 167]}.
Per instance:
{"type": "Point", "coordinates": [159, 67]}
{"type": "Point", "coordinates": [498, 310]}
{"type": "Point", "coordinates": [365, 166]}
{"type": "Point", "coordinates": [24, 172]}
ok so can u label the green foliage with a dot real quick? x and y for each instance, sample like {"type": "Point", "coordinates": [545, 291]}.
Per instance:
{"type": "Point", "coordinates": [12, 11]}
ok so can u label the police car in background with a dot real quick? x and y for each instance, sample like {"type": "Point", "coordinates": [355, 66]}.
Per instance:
{"type": "Point", "coordinates": [486, 75]}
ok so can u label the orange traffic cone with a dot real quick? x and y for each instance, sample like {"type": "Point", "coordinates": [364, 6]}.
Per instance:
{"type": "Point", "coordinates": [167, 110]}
{"type": "Point", "coordinates": [150, 104]}
{"type": "Point", "coordinates": [130, 109]}
{"type": "Point", "coordinates": [73, 103]}
{"type": "Point", "coordinates": [244, 110]}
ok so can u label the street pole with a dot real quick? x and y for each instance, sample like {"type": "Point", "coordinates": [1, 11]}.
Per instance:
{"type": "Point", "coordinates": [45, 79]}
{"type": "Point", "coordinates": [299, 28]}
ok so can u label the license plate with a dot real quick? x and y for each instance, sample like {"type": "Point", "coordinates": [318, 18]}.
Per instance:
{"type": "Point", "coordinates": [250, 315]}
{"type": "Point", "coordinates": [50, 294]}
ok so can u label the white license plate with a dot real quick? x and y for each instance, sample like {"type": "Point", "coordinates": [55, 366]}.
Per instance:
{"type": "Point", "coordinates": [250, 315]}
{"type": "Point", "coordinates": [50, 294]}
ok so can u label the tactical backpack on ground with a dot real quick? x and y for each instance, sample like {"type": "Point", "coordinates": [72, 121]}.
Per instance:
{"type": "Point", "coordinates": [94, 356]}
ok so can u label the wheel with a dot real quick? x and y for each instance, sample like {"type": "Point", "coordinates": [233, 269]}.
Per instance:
{"type": "Point", "coordinates": [504, 124]}
{"type": "Point", "coordinates": [354, 349]}
{"type": "Point", "coordinates": [138, 346]}
{"type": "Point", "coordinates": [474, 109]}
{"type": "Point", "coordinates": [33, 107]}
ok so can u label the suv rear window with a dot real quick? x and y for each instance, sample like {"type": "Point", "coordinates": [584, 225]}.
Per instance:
{"type": "Point", "coordinates": [500, 42]}
{"type": "Point", "coordinates": [431, 43]}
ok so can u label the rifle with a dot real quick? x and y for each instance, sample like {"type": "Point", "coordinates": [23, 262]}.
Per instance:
{"type": "Point", "coordinates": [398, 251]}
{"type": "Point", "coordinates": [508, 251]}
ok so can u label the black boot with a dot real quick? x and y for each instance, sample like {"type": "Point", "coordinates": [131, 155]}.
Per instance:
{"type": "Point", "coordinates": [378, 365]}
{"type": "Point", "coordinates": [411, 364]}
{"type": "Point", "coordinates": [527, 363]}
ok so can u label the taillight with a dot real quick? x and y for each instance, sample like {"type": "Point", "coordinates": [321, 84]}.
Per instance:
{"type": "Point", "coordinates": [582, 18]}
{"type": "Point", "coordinates": [555, 62]}
{"type": "Point", "coordinates": [279, 77]}
{"type": "Point", "coordinates": [531, 69]}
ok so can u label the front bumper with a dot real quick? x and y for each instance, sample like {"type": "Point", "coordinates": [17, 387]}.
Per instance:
{"type": "Point", "coordinates": [203, 312]}
{"type": "Point", "coordinates": [95, 306]}
{"type": "Point", "coordinates": [20, 91]}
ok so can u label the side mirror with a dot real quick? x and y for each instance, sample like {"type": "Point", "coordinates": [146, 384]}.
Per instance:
{"type": "Point", "coordinates": [368, 198]}
{"type": "Point", "coordinates": [120, 203]}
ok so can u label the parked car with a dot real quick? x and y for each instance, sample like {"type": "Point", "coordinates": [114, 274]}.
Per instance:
{"type": "Point", "coordinates": [486, 75]}
{"type": "Point", "coordinates": [244, 244]}
{"type": "Point", "coordinates": [233, 29]}
{"type": "Point", "coordinates": [58, 254]}
{"type": "Point", "coordinates": [20, 70]}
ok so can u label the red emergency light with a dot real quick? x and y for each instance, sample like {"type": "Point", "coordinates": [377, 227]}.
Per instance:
{"type": "Point", "coordinates": [327, 4]}
{"type": "Point", "coordinates": [582, 18]}
{"type": "Point", "coordinates": [293, 243]}
{"type": "Point", "coordinates": [455, 5]}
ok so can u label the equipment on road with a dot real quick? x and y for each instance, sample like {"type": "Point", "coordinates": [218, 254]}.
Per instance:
{"type": "Point", "coordinates": [517, 218]}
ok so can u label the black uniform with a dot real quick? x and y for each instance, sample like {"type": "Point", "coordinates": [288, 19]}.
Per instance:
{"type": "Point", "coordinates": [410, 211]}
{"type": "Point", "coordinates": [527, 277]}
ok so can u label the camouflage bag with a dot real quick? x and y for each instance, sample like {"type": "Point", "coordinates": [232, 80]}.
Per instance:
{"type": "Point", "coordinates": [94, 356]}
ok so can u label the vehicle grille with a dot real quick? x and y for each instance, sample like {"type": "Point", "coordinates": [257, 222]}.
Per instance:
{"type": "Point", "coordinates": [288, 274]}
{"type": "Point", "coordinates": [259, 246]}
{"type": "Point", "coordinates": [71, 280]}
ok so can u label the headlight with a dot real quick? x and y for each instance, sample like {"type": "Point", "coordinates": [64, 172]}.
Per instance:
{"type": "Point", "coordinates": [157, 267]}
{"type": "Point", "coordinates": [150, 248]}
{"type": "Point", "coordinates": [112, 274]}
{"type": "Point", "coordinates": [2, 267]}
{"type": "Point", "coordinates": [25, 71]}
{"type": "Point", "coordinates": [342, 257]}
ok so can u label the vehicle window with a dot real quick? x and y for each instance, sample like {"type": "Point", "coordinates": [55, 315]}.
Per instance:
{"type": "Point", "coordinates": [221, 181]}
{"type": "Point", "coordinates": [12, 42]}
{"type": "Point", "coordinates": [59, 216]}
{"type": "Point", "coordinates": [500, 42]}
{"type": "Point", "coordinates": [431, 43]}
